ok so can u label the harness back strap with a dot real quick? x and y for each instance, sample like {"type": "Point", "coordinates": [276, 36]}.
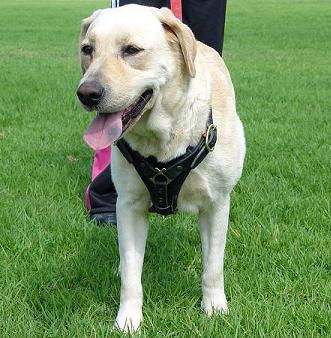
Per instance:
{"type": "Point", "coordinates": [164, 180]}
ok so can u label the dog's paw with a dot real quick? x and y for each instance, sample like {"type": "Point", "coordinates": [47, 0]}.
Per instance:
{"type": "Point", "coordinates": [128, 320]}
{"type": "Point", "coordinates": [214, 304]}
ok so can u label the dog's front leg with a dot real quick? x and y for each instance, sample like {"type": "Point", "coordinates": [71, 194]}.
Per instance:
{"type": "Point", "coordinates": [132, 233]}
{"type": "Point", "coordinates": [214, 223]}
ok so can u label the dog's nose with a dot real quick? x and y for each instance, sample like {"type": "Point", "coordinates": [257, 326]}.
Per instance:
{"type": "Point", "coordinates": [90, 93]}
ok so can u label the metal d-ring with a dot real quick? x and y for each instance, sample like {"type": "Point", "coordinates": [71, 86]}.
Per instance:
{"type": "Point", "coordinates": [211, 127]}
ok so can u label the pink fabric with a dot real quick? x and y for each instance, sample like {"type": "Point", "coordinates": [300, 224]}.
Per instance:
{"type": "Point", "coordinates": [176, 7]}
{"type": "Point", "coordinates": [101, 160]}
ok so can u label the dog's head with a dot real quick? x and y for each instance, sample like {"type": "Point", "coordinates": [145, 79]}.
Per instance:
{"type": "Point", "coordinates": [127, 55]}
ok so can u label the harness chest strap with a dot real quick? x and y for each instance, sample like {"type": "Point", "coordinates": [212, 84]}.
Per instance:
{"type": "Point", "coordinates": [164, 180]}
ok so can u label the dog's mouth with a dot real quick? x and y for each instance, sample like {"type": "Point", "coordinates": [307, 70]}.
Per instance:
{"type": "Point", "coordinates": [109, 127]}
{"type": "Point", "coordinates": [131, 114]}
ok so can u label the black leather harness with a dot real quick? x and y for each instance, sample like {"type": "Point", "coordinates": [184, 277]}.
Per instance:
{"type": "Point", "coordinates": [165, 179]}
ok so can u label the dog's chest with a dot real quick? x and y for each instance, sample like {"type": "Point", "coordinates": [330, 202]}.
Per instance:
{"type": "Point", "coordinates": [195, 194]}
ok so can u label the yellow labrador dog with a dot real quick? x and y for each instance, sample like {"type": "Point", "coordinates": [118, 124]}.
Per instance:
{"type": "Point", "coordinates": [154, 85]}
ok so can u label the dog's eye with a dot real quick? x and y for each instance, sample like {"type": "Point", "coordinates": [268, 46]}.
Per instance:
{"type": "Point", "coordinates": [130, 50]}
{"type": "Point", "coordinates": [87, 50]}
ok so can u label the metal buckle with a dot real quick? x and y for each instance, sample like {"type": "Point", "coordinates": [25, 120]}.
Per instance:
{"type": "Point", "coordinates": [211, 127]}
{"type": "Point", "coordinates": [160, 172]}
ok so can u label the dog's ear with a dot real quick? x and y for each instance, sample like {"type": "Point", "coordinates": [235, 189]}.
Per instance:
{"type": "Point", "coordinates": [86, 24]}
{"type": "Point", "coordinates": [183, 34]}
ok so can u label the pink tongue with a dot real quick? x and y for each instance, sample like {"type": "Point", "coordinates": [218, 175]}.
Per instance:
{"type": "Point", "coordinates": [104, 130]}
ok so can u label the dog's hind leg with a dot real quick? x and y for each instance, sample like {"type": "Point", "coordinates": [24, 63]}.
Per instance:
{"type": "Point", "coordinates": [132, 228]}
{"type": "Point", "coordinates": [213, 225]}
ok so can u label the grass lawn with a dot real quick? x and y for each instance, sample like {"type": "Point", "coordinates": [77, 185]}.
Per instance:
{"type": "Point", "coordinates": [58, 271]}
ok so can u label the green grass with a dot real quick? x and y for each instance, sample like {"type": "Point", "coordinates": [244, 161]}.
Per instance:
{"type": "Point", "coordinates": [58, 272]}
